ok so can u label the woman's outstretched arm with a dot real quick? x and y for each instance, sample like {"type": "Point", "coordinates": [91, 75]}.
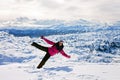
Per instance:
{"type": "Point", "coordinates": [48, 41]}
{"type": "Point", "coordinates": [64, 54]}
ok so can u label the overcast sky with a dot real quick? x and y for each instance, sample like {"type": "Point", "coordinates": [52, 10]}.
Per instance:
{"type": "Point", "coordinates": [99, 10]}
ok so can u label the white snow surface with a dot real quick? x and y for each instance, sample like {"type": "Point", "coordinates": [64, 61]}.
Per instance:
{"type": "Point", "coordinates": [18, 59]}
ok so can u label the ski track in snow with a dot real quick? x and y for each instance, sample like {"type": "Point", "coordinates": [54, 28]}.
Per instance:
{"type": "Point", "coordinates": [89, 59]}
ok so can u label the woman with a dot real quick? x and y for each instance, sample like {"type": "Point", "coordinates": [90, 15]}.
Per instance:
{"type": "Point", "coordinates": [50, 51]}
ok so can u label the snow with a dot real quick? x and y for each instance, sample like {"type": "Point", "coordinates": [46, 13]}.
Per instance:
{"type": "Point", "coordinates": [77, 72]}
{"type": "Point", "coordinates": [95, 55]}
{"type": "Point", "coordinates": [13, 72]}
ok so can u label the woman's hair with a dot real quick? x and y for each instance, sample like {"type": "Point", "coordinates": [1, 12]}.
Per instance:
{"type": "Point", "coordinates": [58, 47]}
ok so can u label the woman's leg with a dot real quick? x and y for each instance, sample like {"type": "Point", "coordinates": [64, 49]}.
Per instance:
{"type": "Point", "coordinates": [46, 57]}
{"type": "Point", "coordinates": [39, 46]}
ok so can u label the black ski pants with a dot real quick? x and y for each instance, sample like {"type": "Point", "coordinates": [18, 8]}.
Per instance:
{"type": "Point", "coordinates": [46, 57]}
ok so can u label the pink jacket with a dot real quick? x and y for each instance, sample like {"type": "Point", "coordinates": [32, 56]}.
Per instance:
{"type": "Point", "coordinates": [52, 50]}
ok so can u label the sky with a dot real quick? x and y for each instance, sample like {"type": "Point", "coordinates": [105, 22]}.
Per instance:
{"type": "Point", "coordinates": [99, 10]}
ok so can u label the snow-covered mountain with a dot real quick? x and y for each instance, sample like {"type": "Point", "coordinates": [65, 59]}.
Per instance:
{"type": "Point", "coordinates": [27, 22]}
{"type": "Point", "coordinates": [94, 50]}
{"type": "Point", "coordinates": [39, 23]}
{"type": "Point", "coordinates": [24, 26]}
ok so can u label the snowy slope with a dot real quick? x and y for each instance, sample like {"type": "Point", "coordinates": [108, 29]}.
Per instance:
{"type": "Point", "coordinates": [95, 55]}
{"type": "Point", "coordinates": [94, 50]}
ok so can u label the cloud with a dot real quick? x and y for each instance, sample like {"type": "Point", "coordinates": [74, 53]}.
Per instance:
{"type": "Point", "coordinates": [52, 3]}
{"type": "Point", "coordinates": [110, 6]}
{"type": "Point", "coordinates": [108, 10]}
{"type": "Point", "coordinates": [103, 10]}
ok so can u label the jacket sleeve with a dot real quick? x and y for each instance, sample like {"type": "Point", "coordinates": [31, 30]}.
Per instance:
{"type": "Point", "coordinates": [64, 54]}
{"type": "Point", "coordinates": [48, 41]}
